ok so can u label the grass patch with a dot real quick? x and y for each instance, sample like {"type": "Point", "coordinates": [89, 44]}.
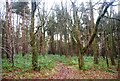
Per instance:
{"type": "Point", "coordinates": [48, 61]}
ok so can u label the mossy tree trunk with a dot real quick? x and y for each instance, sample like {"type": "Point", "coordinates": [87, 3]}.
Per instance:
{"type": "Point", "coordinates": [95, 49]}
{"type": "Point", "coordinates": [77, 37]}
{"type": "Point", "coordinates": [52, 43]}
{"type": "Point", "coordinates": [61, 44]}
{"type": "Point", "coordinates": [94, 46]}
{"type": "Point", "coordinates": [65, 43]}
{"type": "Point", "coordinates": [40, 41]}
{"type": "Point", "coordinates": [32, 38]}
{"type": "Point", "coordinates": [110, 40]}
{"type": "Point", "coordinates": [26, 37]}
{"type": "Point", "coordinates": [106, 50]}
{"type": "Point", "coordinates": [118, 53]}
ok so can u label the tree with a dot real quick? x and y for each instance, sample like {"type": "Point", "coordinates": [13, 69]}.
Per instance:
{"type": "Point", "coordinates": [7, 33]}
{"type": "Point", "coordinates": [32, 37]}
{"type": "Point", "coordinates": [95, 46]}
{"type": "Point", "coordinates": [11, 34]}
{"type": "Point", "coordinates": [51, 31]}
{"type": "Point", "coordinates": [17, 36]}
{"type": "Point", "coordinates": [23, 35]}
{"type": "Point", "coordinates": [97, 23]}
{"type": "Point", "coordinates": [40, 35]}
{"type": "Point", "coordinates": [2, 24]}
{"type": "Point", "coordinates": [110, 39]}
{"type": "Point", "coordinates": [22, 9]}
{"type": "Point", "coordinates": [77, 36]}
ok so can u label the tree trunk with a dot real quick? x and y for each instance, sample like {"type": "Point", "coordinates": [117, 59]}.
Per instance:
{"type": "Point", "coordinates": [61, 50]}
{"type": "Point", "coordinates": [65, 44]}
{"type": "Point", "coordinates": [95, 49]}
{"type": "Point", "coordinates": [3, 37]}
{"type": "Point", "coordinates": [118, 53]}
{"type": "Point", "coordinates": [106, 50]}
{"type": "Point", "coordinates": [111, 44]}
{"type": "Point", "coordinates": [26, 36]}
{"type": "Point", "coordinates": [51, 43]}
{"type": "Point", "coordinates": [94, 46]}
{"type": "Point", "coordinates": [40, 42]}
{"type": "Point", "coordinates": [12, 34]}
{"type": "Point", "coordinates": [32, 38]}
{"type": "Point", "coordinates": [17, 37]}
{"type": "Point", "coordinates": [80, 60]}
{"type": "Point", "coordinates": [7, 32]}
{"type": "Point", "coordinates": [23, 35]}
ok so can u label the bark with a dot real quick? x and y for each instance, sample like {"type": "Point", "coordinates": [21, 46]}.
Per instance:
{"type": "Point", "coordinates": [23, 34]}
{"type": "Point", "coordinates": [12, 34]}
{"type": "Point", "coordinates": [77, 37]}
{"type": "Point", "coordinates": [52, 44]}
{"type": "Point", "coordinates": [26, 38]}
{"type": "Point", "coordinates": [65, 43]}
{"type": "Point", "coordinates": [32, 38]}
{"type": "Point", "coordinates": [3, 37]}
{"type": "Point", "coordinates": [7, 32]}
{"type": "Point", "coordinates": [79, 50]}
{"type": "Point", "coordinates": [94, 46]}
{"type": "Point", "coordinates": [17, 35]}
{"type": "Point", "coordinates": [111, 39]}
{"type": "Point", "coordinates": [111, 45]}
{"type": "Point", "coordinates": [92, 18]}
{"type": "Point", "coordinates": [40, 42]}
{"type": "Point", "coordinates": [51, 51]}
{"type": "Point", "coordinates": [95, 49]}
{"type": "Point", "coordinates": [106, 52]}
{"type": "Point", "coordinates": [118, 41]}
{"type": "Point", "coordinates": [57, 43]}
{"type": "Point", "coordinates": [61, 50]}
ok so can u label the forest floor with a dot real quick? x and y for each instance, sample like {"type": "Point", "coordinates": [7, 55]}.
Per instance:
{"type": "Point", "coordinates": [70, 72]}
{"type": "Point", "coordinates": [61, 71]}
{"type": "Point", "coordinates": [57, 67]}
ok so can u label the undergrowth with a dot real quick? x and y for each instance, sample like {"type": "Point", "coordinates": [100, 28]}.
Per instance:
{"type": "Point", "coordinates": [48, 61]}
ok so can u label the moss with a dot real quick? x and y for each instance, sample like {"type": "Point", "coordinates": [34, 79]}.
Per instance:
{"type": "Point", "coordinates": [32, 42]}
{"type": "Point", "coordinates": [34, 58]}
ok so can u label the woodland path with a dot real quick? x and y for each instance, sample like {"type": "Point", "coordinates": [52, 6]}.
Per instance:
{"type": "Point", "coordinates": [61, 71]}
{"type": "Point", "coordinates": [68, 72]}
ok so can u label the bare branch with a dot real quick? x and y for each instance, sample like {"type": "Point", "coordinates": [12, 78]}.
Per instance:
{"type": "Point", "coordinates": [44, 21]}
{"type": "Point", "coordinates": [112, 18]}
{"type": "Point", "coordinates": [9, 53]}
{"type": "Point", "coordinates": [96, 26]}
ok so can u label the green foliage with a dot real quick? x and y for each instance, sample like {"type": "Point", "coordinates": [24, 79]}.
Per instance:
{"type": "Point", "coordinates": [23, 62]}
{"type": "Point", "coordinates": [48, 61]}
{"type": "Point", "coordinates": [111, 71]}
{"type": "Point", "coordinates": [19, 6]}
{"type": "Point", "coordinates": [6, 65]}
{"type": "Point", "coordinates": [85, 67]}
{"type": "Point", "coordinates": [88, 62]}
{"type": "Point", "coordinates": [20, 62]}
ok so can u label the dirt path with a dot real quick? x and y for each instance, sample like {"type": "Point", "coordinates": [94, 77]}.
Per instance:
{"type": "Point", "coordinates": [63, 72]}
{"type": "Point", "coordinates": [67, 72]}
